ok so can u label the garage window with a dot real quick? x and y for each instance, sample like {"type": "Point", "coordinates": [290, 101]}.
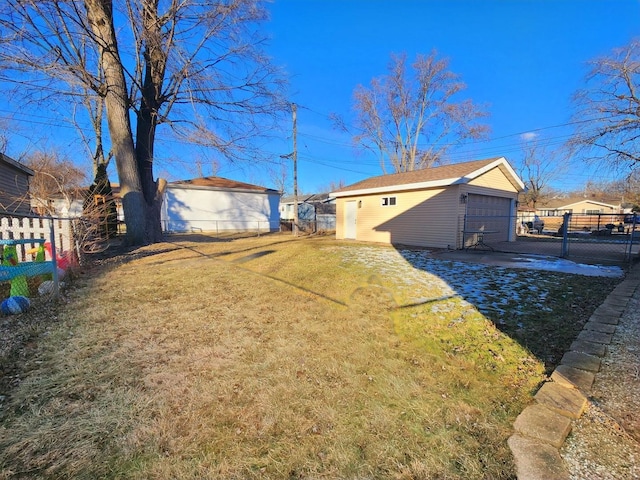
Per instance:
{"type": "Point", "coordinates": [388, 201]}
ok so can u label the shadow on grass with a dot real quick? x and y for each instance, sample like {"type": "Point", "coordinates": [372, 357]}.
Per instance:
{"type": "Point", "coordinates": [543, 311]}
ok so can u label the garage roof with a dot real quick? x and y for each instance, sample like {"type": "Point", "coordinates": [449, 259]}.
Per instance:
{"type": "Point", "coordinates": [442, 176]}
{"type": "Point", "coordinates": [220, 183]}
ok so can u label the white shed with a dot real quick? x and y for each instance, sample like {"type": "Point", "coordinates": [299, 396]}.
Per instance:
{"type": "Point", "coordinates": [213, 204]}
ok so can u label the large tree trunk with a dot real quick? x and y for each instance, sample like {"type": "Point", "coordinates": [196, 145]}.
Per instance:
{"type": "Point", "coordinates": [100, 17]}
{"type": "Point", "coordinates": [145, 137]}
{"type": "Point", "coordinates": [147, 119]}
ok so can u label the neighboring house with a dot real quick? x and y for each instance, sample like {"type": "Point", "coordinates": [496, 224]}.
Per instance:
{"type": "Point", "coordinates": [316, 212]}
{"type": "Point", "coordinates": [558, 207]}
{"type": "Point", "coordinates": [71, 203]}
{"type": "Point", "coordinates": [442, 207]}
{"type": "Point", "coordinates": [14, 186]}
{"type": "Point", "coordinates": [309, 207]}
{"type": "Point", "coordinates": [213, 204]}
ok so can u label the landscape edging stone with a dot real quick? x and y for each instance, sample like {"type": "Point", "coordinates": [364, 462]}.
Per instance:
{"type": "Point", "coordinates": [538, 458]}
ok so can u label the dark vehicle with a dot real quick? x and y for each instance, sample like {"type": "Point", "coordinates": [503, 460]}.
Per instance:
{"type": "Point", "coordinates": [632, 218]}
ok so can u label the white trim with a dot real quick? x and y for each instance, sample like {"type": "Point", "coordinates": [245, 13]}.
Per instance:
{"type": "Point", "coordinates": [446, 182]}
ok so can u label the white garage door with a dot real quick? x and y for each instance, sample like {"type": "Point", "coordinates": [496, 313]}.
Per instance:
{"type": "Point", "coordinates": [488, 213]}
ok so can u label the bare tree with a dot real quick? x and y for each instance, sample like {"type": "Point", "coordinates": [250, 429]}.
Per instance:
{"type": "Point", "coordinates": [625, 190]}
{"type": "Point", "coordinates": [538, 168]}
{"type": "Point", "coordinates": [411, 119]}
{"type": "Point", "coordinates": [608, 109]}
{"type": "Point", "coordinates": [54, 177]}
{"type": "Point", "coordinates": [195, 66]}
{"type": "Point", "coordinates": [332, 186]}
{"type": "Point", "coordinates": [279, 176]}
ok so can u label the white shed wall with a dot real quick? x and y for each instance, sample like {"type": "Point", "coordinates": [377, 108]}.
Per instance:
{"type": "Point", "coordinates": [207, 210]}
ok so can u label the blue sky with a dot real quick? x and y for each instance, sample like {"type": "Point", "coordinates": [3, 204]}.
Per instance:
{"type": "Point", "coordinates": [521, 59]}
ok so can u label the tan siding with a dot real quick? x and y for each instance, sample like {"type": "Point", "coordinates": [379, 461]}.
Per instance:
{"type": "Point", "coordinates": [428, 218]}
{"type": "Point", "coordinates": [493, 180]}
{"type": "Point", "coordinates": [422, 218]}
{"type": "Point", "coordinates": [582, 207]}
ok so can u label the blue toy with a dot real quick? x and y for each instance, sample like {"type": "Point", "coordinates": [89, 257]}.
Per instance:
{"type": "Point", "coordinates": [15, 305]}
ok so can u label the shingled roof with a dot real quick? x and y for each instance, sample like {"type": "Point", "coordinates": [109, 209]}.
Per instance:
{"type": "Point", "coordinates": [431, 177]}
{"type": "Point", "coordinates": [221, 183]}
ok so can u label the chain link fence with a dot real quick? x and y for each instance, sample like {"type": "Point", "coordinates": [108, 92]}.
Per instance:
{"type": "Point", "coordinates": [586, 238]}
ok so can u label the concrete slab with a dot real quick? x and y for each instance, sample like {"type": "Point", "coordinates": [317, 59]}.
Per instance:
{"type": "Point", "coordinates": [571, 377]}
{"type": "Point", "coordinates": [596, 337]}
{"type": "Point", "coordinates": [543, 424]}
{"type": "Point", "coordinates": [597, 349]}
{"type": "Point", "coordinates": [583, 361]}
{"type": "Point", "coordinates": [600, 327]}
{"type": "Point", "coordinates": [536, 460]}
{"type": "Point", "coordinates": [567, 402]}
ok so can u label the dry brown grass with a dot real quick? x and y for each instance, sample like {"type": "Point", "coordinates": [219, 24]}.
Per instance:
{"type": "Point", "coordinates": [262, 358]}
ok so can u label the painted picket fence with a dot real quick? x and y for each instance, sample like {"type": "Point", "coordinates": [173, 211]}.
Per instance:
{"type": "Point", "coordinates": [25, 228]}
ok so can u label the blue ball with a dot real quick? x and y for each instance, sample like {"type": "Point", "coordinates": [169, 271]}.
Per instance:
{"type": "Point", "coordinates": [15, 305]}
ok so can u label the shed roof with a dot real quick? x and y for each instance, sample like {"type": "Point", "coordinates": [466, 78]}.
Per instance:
{"type": "Point", "coordinates": [444, 175]}
{"type": "Point", "coordinates": [220, 183]}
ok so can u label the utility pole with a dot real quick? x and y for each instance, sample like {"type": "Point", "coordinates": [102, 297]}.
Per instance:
{"type": "Point", "coordinates": [295, 172]}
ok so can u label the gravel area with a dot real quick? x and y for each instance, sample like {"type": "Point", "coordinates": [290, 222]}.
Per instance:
{"type": "Point", "coordinates": [605, 442]}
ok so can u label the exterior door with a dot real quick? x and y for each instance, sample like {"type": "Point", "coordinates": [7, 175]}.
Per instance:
{"type": "Point", "coordinates": [350, 217]}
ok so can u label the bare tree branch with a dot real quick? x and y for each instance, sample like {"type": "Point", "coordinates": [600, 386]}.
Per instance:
{"type": "Point", "coordinates": [611, 104]}
{"type": "Point", "coordinates": [194, 65]}
{"type": "Point", "coordinates": [410, 120]}
{"type": "Point", "coordinates": [538, 168]}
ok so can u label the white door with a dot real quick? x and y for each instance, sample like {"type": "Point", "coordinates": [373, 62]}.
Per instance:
{"type": "Point", "coordinates": [350, 214]}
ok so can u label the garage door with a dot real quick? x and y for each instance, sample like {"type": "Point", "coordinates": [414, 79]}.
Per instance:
{"type": "Point", "coordinates": [491, 214]}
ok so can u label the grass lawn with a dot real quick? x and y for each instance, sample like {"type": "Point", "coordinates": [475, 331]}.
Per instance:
{"type": "Point", "coordinates": [279, 358]}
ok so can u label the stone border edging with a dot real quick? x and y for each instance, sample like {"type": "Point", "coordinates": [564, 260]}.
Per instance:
{"type": "Point", "coordinates": [541, 428]}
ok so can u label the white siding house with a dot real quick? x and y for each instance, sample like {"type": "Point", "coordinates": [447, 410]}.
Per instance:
{"type": "Point", "coordinates": [213, 204]}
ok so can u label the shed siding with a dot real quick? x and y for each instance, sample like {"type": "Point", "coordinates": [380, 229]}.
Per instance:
{"type": "Point", "coordinates": [14, 190]}
{"type": "Point", "coordinates": [493, 182]}
{"type": "Point", "coordinates": [186, 210]}
{"type": "Point", "coordinates": [428, 218]}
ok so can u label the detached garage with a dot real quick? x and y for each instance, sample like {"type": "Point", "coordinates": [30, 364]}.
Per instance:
{"type": "Point", "coordinates": [213, 204]}
{"type": "Point", "coordinates": [452, 206]}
